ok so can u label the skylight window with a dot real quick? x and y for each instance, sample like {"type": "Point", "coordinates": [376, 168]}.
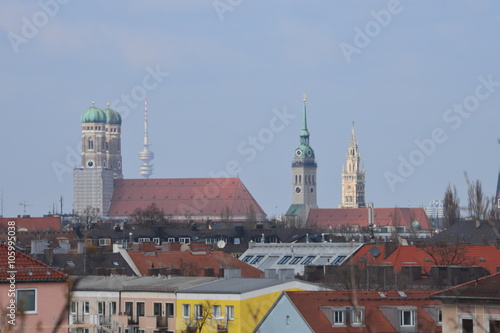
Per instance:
{"type": "Point", "coordinates": [338, 260]}
{"type": "Point", "coordinates": [284, 260]}
{"type": "Point", "coordinates": [295, 260]}
{"type": "Point", "coordinates": [257, 259]}
{"type": "Point", "coordinates": [247, 258]}
{"type": "Point", "coordinates": [308, 260]}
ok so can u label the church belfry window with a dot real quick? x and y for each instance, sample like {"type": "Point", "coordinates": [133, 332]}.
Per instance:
{"type": "Point", "coordinates": [90, 144]}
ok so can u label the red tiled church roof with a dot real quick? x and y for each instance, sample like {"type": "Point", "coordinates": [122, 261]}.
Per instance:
{"type": "Point", "coordinates": [32, 223]}
{"type": "Point", "coordinates": [193, 264]}
{"type": "Point", "coordinates": [309, 304]}
{"type": "Point", "coordinates": [335, 217]}
{"type": "Point", "coordinates": [196, 197]}
{"type": "Point", "coordinates": [27, 268]}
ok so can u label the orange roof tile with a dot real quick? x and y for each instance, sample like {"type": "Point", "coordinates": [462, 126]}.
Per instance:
{"type": "Point", "coordinates": [486, 256]}
{"type": "Point", "coordinates": [197, 197]}
{"type": "Point", "coordinates": [308, 303]}
{"type": "Point", "coordinates": [26, 268]}
{"type": "Point", "coordinates": [193, 263]}
{"type": "Point", "coordinates": [32, 223]}
{"type": "Point", "coordinates": [335, 217]}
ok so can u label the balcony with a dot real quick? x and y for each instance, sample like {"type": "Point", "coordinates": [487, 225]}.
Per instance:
{"type": "Point", "coordinates": [221, 326]}
{"type": "Point", "coordinates": [162, 322]}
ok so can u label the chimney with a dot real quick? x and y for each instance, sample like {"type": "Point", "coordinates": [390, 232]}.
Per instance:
{"type": "Point", "coordinates": [389, 248]}
{"type": "Point", "coordinates": [49, 256]}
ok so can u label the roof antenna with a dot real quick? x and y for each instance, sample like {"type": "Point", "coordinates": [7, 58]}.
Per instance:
{"type": "Point", "coordinates": [146, 155]}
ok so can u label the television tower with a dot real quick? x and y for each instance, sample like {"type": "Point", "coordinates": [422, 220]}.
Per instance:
{"type": "Point", "coordinates": [146, 155]}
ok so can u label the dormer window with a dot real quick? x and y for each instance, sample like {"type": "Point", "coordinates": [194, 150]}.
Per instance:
{"type": "Point", "coordinates": [338, 318]}
{"type": "Point", "coordinates": [407, 318]}
{"type": "Point", "coordinates": [357, 317]}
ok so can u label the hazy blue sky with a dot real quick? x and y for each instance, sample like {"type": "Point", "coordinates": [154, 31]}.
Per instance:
{"type": "Point", "coordinates": [421, 80]}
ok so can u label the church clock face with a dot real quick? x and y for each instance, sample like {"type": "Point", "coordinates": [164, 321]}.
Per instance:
{"type": "Point", "coordinates": [309, 152]}
{"type": "Point", "coordinates": [90, 163]}
{"type": "Point", "coordinates": [298, 189]}
{"type": "Point", "coordinates": [298, 152]}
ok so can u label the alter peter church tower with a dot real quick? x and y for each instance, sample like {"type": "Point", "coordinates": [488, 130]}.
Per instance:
{"type": "Point", "coordinates": [353, 177]}
{"type": "Point", "coordinates": [303, 177]}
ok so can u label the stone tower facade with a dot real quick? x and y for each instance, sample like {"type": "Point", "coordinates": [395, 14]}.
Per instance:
{"type": "Point", "coordinates": [101, 160]}
{"type": "Point", "coordinates": [353, 177]}
{"type": "Point", "coordinates": [303, 177]}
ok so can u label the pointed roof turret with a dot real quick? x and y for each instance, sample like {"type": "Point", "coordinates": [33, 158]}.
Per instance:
{"type": "Point", "coordinates": [304, 150]}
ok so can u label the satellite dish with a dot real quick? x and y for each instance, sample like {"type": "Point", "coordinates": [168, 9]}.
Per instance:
{"type": "Point", "coordinates": [221, 244]}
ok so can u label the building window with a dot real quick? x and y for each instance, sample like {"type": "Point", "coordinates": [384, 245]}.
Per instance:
{"type": "Point", "coordinates": [156, 240]}
{"type": "Point", "coordinates": [73, 308]}
{"type": "Point", "coordinates": [308, 260]}
{"type": "Point", "coordinates": [494, 326]}
{"type": "Point", "coordinates": [247, 258]}
{"type": "Point", "coordinates": [216, 312]}
{"type": "Point", "coordinates": [86, 307]}
{"type": "Point", "coordinates": [407, 318]}
{"type": "Point", "coordinates": [171, 240]}
{"type": "Point", "coordinates": [287, 321]}
{"type": "Point", "coordinates": [129, 308]}
{"type": "Point", "coordinates": [338, 317]}
{"type": "Point", "coordinates": [186, 310]}
{"type": "Point", "coordinates": [198, 311]}
{"type": "Point", "coordinates": [338, 260]}
{"type": "Point", "coordinates": [112, 308]}
{"type": "Point", "coordinates": [101, 308]}
{"type": "Point", "coordinates": [257, 259]}
{"type": "Point", "coordinates": [26, 301]}
{"type": "Point", "coordinates": [284, 260]}
{"type": "Point", "coordinates": [440, 317]}
{"type": "Point", "coordinates": [157, 309]}
{"type": "Point", "coordinates": [230, 312]}
{"type": "Point", "coordinates": [357, 317]}
{"type": "Point", "coordinates": [143, 239]}
{"type": "Point", "coordinates": [104, 241]}
{"type": "Point", "coordinates": [90, 144]}
{"type": "Point", "coordinates": [185, 240]}
{"type": "Point", "coordinates": [295, 260]}
{"type": "Point", "coordinates": [169, 310]}
{"type": "Point", "coordinates": [140, 309]}
{"type": "Point", "coordinates": [468, 325]}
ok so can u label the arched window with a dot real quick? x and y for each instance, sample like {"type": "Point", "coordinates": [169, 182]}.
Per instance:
{"type": "Point", "coordinates": [295, 179]}
{"type": "Point", "coordinates": [300, 178]}
{"type": "Point", "coordinates": [90, 144]}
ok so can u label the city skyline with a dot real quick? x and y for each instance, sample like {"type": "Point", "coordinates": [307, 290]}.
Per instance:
{"type": "Point", "coordinates": [224, 94]}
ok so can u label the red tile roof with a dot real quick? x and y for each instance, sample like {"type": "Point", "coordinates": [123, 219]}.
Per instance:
{"type": "Point", "coordinates": [27, 269]}
{"type": "Point", "coordinates": [32, 223]}
{"type": "Point", "coordinates": [193, 264]}
{"type": "Point", "coordinates": [336, 217]}
{"type": "Point", "coordinates": [197, 197]}
{"type": "Point", "coordinates": [309, 304]}
{"type": "Point", "coordinates": [486, 288]}
{"type": "Point", "coordinates": [486, 256]}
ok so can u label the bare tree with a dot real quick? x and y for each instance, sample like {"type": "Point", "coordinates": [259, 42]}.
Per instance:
{"type": "Point", "coordinates": [478, 203]}
{"type": "Point", "coordinates": [451, 207]}
{"type": "Point", "coordinates": [442, 254]}
{"type": "Point", "coordinates": [150, 216]}
{"type": "Point", "coordinates": [204, 315]}
{"type": "Point", "coordinates": [88, 218]}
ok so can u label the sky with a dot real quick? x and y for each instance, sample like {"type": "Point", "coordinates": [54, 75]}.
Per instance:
{"type": "Point", "coordinates": [224, 81]}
